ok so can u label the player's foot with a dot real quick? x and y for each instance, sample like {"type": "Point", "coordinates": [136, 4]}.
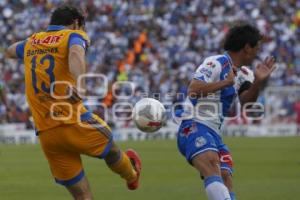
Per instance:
{"type": "Point", "coordinates": [137, 165]}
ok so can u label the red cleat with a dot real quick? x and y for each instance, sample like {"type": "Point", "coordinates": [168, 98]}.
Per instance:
{"type": "Point", "coordinates": [137, 165]}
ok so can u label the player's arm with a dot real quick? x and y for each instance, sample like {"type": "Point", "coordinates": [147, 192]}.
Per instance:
{"type": "Point", "coordinates": [206, 80]}
{"type": "Point", "coordinates": [201, 88]}
{"type": "Point", "coordinates": [262, 73]}
{"type": "Point", "coordinates": [77, 65]}
{"type": "Point", "coordinates": [250, 92]}
{"type": "Point", "coordinates": [15, 50]}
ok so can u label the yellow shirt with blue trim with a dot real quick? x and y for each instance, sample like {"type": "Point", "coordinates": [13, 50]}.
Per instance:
{"type": "Point", "coordinates": [47, 76]}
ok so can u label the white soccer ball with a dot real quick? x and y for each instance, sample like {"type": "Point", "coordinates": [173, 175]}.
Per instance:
{"type": "Point", "coordinates": [149, 115]}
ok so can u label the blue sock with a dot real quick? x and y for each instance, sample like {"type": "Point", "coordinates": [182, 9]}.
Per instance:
{"type": "Point", "coordinates": [232, 195]}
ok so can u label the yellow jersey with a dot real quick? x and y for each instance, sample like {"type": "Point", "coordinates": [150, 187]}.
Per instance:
{"type": "Point", "coordinates": [48, 78]}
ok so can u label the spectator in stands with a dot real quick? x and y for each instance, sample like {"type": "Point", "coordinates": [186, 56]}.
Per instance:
{"type": "Point", "coordinates": [155, 44]}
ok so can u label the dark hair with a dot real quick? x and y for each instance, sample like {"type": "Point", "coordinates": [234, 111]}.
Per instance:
{"type": "Point", "coordinates": [66, 15]}
{"type": "Point", "coordinates": [240, 35]}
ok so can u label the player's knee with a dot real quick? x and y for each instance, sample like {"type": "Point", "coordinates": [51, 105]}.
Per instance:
{"type": "Point", "coordinates": [208, 165]}
{"type": "Point", "coordinates": [113, 155]}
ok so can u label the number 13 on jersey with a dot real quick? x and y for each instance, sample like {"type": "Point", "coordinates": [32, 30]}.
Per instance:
{"type": "Point", "coordinates": [48, 61]}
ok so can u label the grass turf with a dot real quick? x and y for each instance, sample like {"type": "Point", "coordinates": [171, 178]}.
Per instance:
{"type": "Point", "coordinates": [265, 169]}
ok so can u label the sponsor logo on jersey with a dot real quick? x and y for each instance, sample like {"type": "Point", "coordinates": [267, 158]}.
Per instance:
{"type": "Point", "coordinates": [211, 64]}
{"type": "Point", "coordinates": [50, 39]}
{"type": "Point", "coordinates": [189, 130]}
{"type": "Point", "coordinates": [200, 141]}
{"type": "Point", "coordinates": [201, 78]}
{"type": "Point", "coordinates": [206, 72]}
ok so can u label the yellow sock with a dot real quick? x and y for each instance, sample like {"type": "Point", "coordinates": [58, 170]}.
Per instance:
{"type": "Point", "coordinates": [124, 168]}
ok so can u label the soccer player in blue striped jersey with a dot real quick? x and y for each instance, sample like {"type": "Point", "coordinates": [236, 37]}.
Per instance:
{"type": "Point", "coordinates": [217, 82]}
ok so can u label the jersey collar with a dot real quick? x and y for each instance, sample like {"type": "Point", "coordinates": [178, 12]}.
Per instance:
{"type": "Point", "coordinates": [55, 27]}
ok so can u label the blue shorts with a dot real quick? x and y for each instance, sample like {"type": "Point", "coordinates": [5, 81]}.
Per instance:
{"type": "Point", "coordinates": [195, 138]}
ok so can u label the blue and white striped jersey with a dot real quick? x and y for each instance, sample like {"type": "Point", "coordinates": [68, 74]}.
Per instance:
{"type": "Point", "coordinates": [211, 109]}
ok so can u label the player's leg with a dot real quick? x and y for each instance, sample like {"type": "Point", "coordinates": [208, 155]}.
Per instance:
{"type": "Point", "coordinates": [81, 190]}
{"type": "Point", "coordinates": [127, 165]}
{"type": "Point", "coordinates": [196, 142]}
{"type": "Point", "coordinates": [65, 164]}
{"type": "Point", "coordinates": [208, 164]}
{"type": "Point", "coordinates": [100, 144]}
{"type": "Point", "coordinates": [226, 167]}
{"type": "Point", "coordinates": [227, 179]}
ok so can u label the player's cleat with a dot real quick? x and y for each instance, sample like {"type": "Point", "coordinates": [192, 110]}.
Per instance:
{"type": "Point", "coordinates": [137, 165]}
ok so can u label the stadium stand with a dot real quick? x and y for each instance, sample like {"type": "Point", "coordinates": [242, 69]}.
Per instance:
{"type": "Point", "coordinates": [155, 44]}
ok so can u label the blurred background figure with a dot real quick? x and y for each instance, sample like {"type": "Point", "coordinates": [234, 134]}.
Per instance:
{"type": "Point", "coordinates": [157, 45]}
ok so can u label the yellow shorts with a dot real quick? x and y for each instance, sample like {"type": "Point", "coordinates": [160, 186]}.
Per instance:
{"type": "Point", "coordinates": [63, 145]}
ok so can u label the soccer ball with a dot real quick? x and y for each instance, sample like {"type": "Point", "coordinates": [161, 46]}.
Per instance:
{"type": "Point", "coordinates": [149, 115]}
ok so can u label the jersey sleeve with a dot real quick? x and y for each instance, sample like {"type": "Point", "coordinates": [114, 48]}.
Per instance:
{"type": "Point", "coordinates": [209, 71]}
{"type": "Point", "coordinates": [79, 38]}
{"type": "Point", "coordinates": [76, 40]}
{"type": "Point", "coordinates": [20, 49]}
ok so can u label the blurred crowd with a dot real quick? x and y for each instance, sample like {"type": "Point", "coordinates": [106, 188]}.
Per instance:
{"type": "Point", "coordinates": [154, 44]}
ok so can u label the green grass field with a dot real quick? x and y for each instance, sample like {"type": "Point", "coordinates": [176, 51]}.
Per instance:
{"type": "Point", "coordinates": [265, 169]}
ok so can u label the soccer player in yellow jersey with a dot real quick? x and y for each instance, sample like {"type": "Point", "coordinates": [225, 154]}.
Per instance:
{"type": "Point", "coordinates": [54, 60]}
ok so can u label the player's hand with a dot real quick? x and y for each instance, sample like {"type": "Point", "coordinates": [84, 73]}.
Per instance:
{"type": "Point", "coordinates": [264, 69]}
{"type": "Point", "coordinates": [230, 80]}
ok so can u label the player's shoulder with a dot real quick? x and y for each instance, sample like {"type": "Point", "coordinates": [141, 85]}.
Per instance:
{"type": "Point", "coordinates": [209, 68]}
{"type": "Point", "coordinates": [78, 37]}
{"type": "Point", "coordinates": [80, 33]}
{"type": "Point", "coordinates": [214, 62]}
{"type": "Point", "coordinates": [220, 60]}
